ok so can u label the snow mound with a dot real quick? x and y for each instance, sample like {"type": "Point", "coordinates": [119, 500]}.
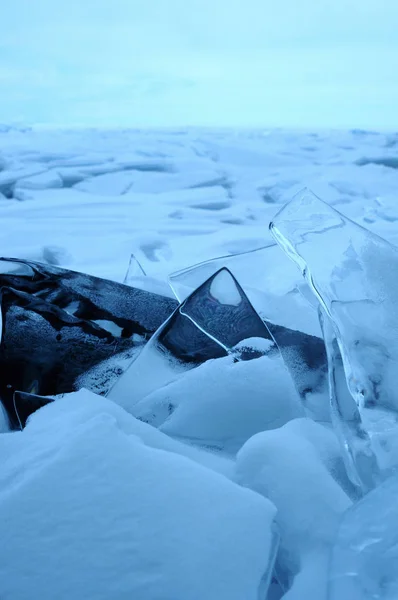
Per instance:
{"type": "Point", "coordinates": [283, 465]}
{"type": "Point", "coordinates": [224, 403]}
{"type": "Point", "coordinates": [89, 511]}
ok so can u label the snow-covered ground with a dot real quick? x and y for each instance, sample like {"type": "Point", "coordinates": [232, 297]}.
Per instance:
{"type": "Point", "coordinates": [176, 198]}
{"type": "Point", "coordinates": [96, 504]}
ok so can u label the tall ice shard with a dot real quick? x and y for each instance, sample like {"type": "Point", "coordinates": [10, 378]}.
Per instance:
{"type": "Point", "coordinates": [354, 275]}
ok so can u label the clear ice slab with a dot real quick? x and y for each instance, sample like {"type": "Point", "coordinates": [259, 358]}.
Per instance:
{"type": "Point", "coordinates": [280, 296]}
{"type": "Point", "coordinates": [270, 282]}
{"type": "Point", "coordinates": [137, 278]}
{"type": "Point", "coordinates": [134, 270]}
{"type": "Point", "coordinates": [214, 321]}
{"type": "Point", "coordinates": [353, 273]}
{"type": "Point", "coordinates": [364, 557]}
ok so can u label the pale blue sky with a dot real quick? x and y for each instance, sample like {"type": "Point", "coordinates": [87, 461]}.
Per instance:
{"type": "Point", "coordinates": [310, 63]}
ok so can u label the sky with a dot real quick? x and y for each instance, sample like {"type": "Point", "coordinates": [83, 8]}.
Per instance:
{"type": "Point", "coordinates": [159, 63]}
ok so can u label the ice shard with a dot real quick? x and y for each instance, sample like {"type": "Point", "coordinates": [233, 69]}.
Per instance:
{"type": "Point", "coordinates": [126, 311]}
{"type": "Point", "coordinates": [137, 278]}
{"type": "Point", "coordinates": [278, 294]}
{"type": "Point", "coordinates": [271, 284]}
{"type": "Point", "coordinates": [134, 270]}
{"type": "Point", "coordinates": [353, 273]}
{"type": "Point", "coordinates": [364, 557]}
{"type": "Point", "coordinates": [216, 320]}
{"type": "Point", "coordinates": [223, 311]}
{"type": "Point", "coordinates": [46, 351]}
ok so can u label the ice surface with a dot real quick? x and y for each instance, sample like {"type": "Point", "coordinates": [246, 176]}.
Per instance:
{"type": "Point", "coordinates": [356, 286]}
{"type": "Point", "coordinates": [122, 519]}
{"type": "Point", "coordinates": [170, 230]}
{"type": "Point", "coordinates": [364, 559]}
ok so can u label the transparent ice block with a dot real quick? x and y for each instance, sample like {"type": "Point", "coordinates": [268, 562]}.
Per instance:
{"type": "Point", "coordinates": [354, 275]}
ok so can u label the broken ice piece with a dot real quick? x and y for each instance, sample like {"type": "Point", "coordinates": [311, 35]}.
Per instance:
{"type": "Point", "coordinates": [271, 283]}
{"type": "Point", "coordinates": [177, 346]}
{"type": "Point", "coordinates": [274, 288]}
{"type": "Point", "coordinates": [354, 275]}
{"type": "Point", "coordinates": [121, 309]}
{"type": "Point", "coordinates": [45, 350]}
{"type": "Point", "coordinates": [223, 311]}
{"type": "Point", "coordinates": [215, 321]}
{"type": "Point", "coordinates": [134, 270]}
{"type": "Point", "coordinates": [364, 557]}
{"type": "Point", "coordinates": [26, 404]}
{"type": "Point", "coordinates": [11, 267]}
{"type": "Point", "coordinates": [137, 278]}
